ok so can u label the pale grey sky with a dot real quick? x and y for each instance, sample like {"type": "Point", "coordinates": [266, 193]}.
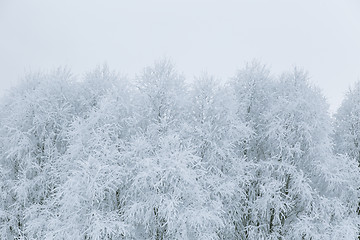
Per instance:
{"type": "Point", "coordinates": [321, 36]}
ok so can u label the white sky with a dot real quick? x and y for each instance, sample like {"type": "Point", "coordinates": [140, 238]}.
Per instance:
{"type": "Point", "coordinates": [322, 36]}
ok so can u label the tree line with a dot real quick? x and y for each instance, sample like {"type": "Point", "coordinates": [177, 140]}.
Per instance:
{"type": "Point", "coordinates": [107, 157]}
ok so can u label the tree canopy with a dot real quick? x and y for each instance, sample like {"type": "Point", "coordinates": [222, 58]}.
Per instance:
{"type": "Point", "coordinates": [257, 157]}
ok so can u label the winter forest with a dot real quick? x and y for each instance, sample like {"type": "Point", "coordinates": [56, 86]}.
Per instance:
{"type": "Point", "coordinates": [163, 157]}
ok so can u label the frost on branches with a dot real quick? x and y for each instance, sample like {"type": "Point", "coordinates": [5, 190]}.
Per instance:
{"type": "Point", "coordinates": [155, 158]}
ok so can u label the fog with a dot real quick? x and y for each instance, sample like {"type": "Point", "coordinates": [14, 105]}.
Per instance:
{"type": "Point", "coordinates": [321, 37]}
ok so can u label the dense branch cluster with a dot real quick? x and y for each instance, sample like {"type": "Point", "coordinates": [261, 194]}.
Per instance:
{"type": "Point", "coordinates": [155, 158]}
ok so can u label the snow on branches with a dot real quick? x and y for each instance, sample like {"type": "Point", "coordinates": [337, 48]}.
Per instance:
{"type": "Point", "coordinates": [155, 158]}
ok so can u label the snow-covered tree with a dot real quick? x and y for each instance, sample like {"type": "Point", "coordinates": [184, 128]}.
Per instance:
{"type": "Point", "coordinates": [167, 198]}
{"type": "Point", "coordinates": [218, 134]}
{"type": "Point", "coordinates": [347, 129]}
{"type": "Point", "coordinates": [90, 200]}
{"type": "Point", "coordinates": [314, 180]}
{"type": "Point", "coordinates": [347, 124]}
{"type": "Point", "coordinates": [33, 124]}
{"type": "Point", "coordinates": [162, 96]}
{"type": "Point", "coordinates": [295, 171]}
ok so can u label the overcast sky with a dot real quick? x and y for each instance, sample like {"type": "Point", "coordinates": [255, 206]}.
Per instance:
{"type": "Point", "coordinates": [322, 37]}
